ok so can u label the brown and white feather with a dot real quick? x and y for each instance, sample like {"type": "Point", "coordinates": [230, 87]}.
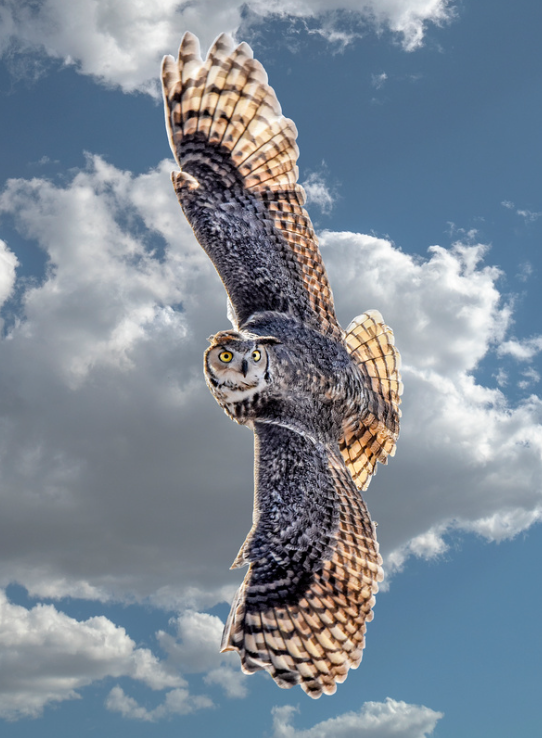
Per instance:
{"type": "Point", "coordinates": [373, 436]}
{"type": "Point", "coordinates": [227, 99]}
{"type": "Point", "coordinates": [314, 566]}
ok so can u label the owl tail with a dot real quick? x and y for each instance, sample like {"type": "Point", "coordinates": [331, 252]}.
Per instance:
{"type": "Point", "coordinates": [312, 639]}
{"type": "Point", "coordinates": [372, 437]}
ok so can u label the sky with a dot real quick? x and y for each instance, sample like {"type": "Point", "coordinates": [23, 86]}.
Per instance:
{"type": "Point", "coordinates": [126, 492]}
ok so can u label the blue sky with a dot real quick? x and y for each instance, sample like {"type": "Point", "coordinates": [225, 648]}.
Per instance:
{"type": "Point", "coordinates": [126, 492]}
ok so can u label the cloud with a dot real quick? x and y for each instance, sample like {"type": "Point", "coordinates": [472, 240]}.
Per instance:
{"type": "Point", "coordinates": [318, 193]}
{"type": "Point", "coordinates": [102, 393]}
{"type": "Point", "coordinates": [196, 648]}
{"type": "Point", "coordinates": [522, 350]}
{"type": "Point", "coordinates": [387, 719]}
{"type": "Point", "coordinates": [121, 42]}
{"type": "Point", "coordinates": [466, 458]}
{"type": "Point", "coordinates": [529, 216]}
{"type": "Point", "coordinates": [45, 656]}
{"type": "Point", "coordinates": [530, 377]}
{"type": "Point", "coordinates": [525, 271]}
{"type": "Point", "coordinates": [116, 464]}
{"type": "Point", "coordinates": [231, 680]}
{"type": "Point", "coordinates": [378, 80]}
{"type": "Point", "coordinates": [8, 265]}
{"type": "Point", "coordinates": [176, 702]}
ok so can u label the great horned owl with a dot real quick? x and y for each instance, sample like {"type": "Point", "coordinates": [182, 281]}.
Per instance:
{"type": "Point", "coordinates": [323, 403]}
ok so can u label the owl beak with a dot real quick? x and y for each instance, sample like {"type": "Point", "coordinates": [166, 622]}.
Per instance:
{"type": "Point", "coordinates": [244, 367]}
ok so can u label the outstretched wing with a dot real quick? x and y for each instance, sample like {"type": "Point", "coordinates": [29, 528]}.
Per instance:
{"type": "Point", "coordinates": [302, 609]}
{"type": "Point", "coordinates": [373, 436]}
{"type": "Point", "coordinates": [238, 183]}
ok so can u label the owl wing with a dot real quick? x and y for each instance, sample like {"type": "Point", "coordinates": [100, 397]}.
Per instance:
{"type": "Point", "coordinates": [238, 183]}
{"type": "Point", "coordinates": [373, 436]}
{"type": "Point", "coordinates": [314, 566]}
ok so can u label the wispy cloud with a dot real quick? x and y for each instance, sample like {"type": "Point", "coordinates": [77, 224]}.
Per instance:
{"type": "Point", "coordinates": [522, 350]}
{"type": "Point", "coordinates": [529, 216]}
{"type": "Point", "coordinates": [378, 80]}
{"type": "Point", "coordinates": [318, 192]}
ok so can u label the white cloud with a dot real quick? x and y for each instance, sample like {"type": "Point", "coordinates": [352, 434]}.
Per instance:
{"type": "Point", "coordinates": [387, 719]}
{"type": "Point", "coordinates": [530, 377]}
{"type": "Point", "coordinates": [530, 216]}
{"type": "Point", "coordinates": [465, 456]}
{"type": "Point", "coordinates": [318, 193]}
{"type": "Point", "coordinates": [176, 702]}
{"type": "Point", "coordinates": [196, 649]}
{"type": "Point", "coordinates": [525, 271]}
{"type": "Point", "coordinates": [116, 464]}
{"type": "Point", "coordinates": [45, 656]}
{"type": "Point", "coordinates": [102, 390]}
{"type": "Point", "coordinates": [378, 80]}
{"type": "Point", "coordinates": [522, 350]}
{"type": "Point", "coordinates": [231, 680]}
{"type": "Point", "coordinates": [8, 265]}
{"type": "Point", "coordinates": [121, 42]}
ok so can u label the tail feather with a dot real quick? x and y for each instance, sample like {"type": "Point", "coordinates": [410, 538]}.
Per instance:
{"type": "Point", "coordinates": [373, 437]}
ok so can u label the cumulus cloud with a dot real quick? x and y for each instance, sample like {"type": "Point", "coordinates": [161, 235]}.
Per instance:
{"type": "Point", "coordinates": [466, 458]}
{"type": "Point", "coordinates": [122, 477]}
{"type": "Point", "coordinates": [101, 392]}
{"type": "Point", "coordinates": [121, 42]}
{"type": "Point", "coordinates": [45, 656]}
{"type": "Point", "coordinates": [387, 719]}
{"type": "Point", "coordinates": [195, 648]}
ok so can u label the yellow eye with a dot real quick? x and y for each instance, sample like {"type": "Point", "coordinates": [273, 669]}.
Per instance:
{"type": "Point", "coordinates": [256, 355]}
{"type": "Point", "coordinates": [225, 356]}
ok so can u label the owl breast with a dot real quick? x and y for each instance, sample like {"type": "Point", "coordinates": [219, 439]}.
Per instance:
{"type": "Point", "coordinates": [228, 393]}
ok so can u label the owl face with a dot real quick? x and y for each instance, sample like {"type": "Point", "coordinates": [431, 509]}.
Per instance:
{"type": "Point", "coordinates": [236, 366]}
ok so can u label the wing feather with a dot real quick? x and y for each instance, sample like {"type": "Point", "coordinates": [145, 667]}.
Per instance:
{"type": "Point", "coordinates": [314, 567]}
{"type": "Point", "coordinates": [238, 155]}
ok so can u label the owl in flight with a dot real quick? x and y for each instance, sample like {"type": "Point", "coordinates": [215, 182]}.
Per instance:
{"type": "Point", "coordinates": [323, 402]}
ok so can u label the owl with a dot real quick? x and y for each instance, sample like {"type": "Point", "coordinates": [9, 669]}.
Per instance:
{"type": "Point", "coordinates": [322, 402]}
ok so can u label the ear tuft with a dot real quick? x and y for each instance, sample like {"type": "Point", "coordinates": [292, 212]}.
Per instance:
{"type": "Point", "coordinates": [268, 340]}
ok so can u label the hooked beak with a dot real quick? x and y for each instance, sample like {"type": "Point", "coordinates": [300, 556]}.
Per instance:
{"type": "Point", "coordinates": [244, 367]}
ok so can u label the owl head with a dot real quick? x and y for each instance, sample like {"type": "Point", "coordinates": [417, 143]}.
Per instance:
{"type": "Point", "coordinates": [236, 365]}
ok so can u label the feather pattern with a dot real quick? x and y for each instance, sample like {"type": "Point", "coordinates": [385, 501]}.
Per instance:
{"type": "Point", "coordinates": [314, 567]}
{"type": "Point", "coordinates": [372, 436]}
{"type": "Point", "coordinates": [225, 121]}
{"type": "Point", "coordinates": [323, 403]}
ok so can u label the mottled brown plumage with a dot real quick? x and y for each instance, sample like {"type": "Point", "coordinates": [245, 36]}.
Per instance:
{"type": "Point", "coordinates": [323, 403]}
